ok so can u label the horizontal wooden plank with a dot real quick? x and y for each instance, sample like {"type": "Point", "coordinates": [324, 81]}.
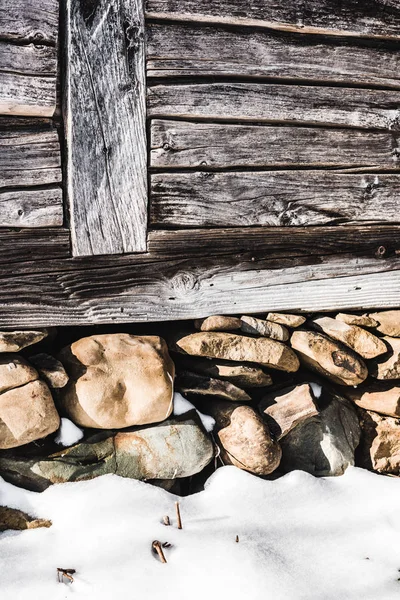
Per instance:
{"type": "Point", "coordinates": [29, 20]}
{"type": "Point", "coordinates": [179, 49]}
{"type": "Point", "coordinates": [349, 107]}
{"type": "Point", "coordinates": [31, 208]}
{"type": "Point", "coordinates": [352, 17]}
{"type": "Point", "coordinates": [29, 156]}
{"type": "Point", "coordinates": [183, 144]}
{"type": "Point", "coordinates": [23, 245]}
{"type": "Point", "coordinates": [272, 198]}
{"type": "Point", "coordinates": [32, 96]}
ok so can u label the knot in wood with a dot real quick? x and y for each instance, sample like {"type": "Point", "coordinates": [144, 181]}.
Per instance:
{"type": "Point", "coordinates": [380, 252]}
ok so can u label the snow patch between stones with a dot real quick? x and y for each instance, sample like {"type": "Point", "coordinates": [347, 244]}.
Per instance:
{"type": "Point", "coordinates": [68, 434]}
{"type": "Point", "coordinates": [183, 406]}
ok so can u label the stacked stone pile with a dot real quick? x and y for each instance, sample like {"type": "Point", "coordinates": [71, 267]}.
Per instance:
{"type": "Point", "coordinates": [317, 393]}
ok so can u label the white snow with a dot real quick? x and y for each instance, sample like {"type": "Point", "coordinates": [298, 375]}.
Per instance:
{"type": "Point", "coordinates": [182, 406]}
{"type": "Point", "coordinates": [68, 433]}
{"type": "Point", "coordinates": [316, 389]}
{"type": "Point", "coordinates": [301, 538]}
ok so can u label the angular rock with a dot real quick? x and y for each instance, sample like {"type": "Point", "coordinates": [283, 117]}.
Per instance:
{"type": "Point", "coordinates": [329, 358]}
{"type": "Point", "coordinates": [265, 328]}
{"type": "Point", "coordinates": [323, 445]}
{"type": "Point", "coordinates": [388, 367]}
{"type": "Point", "coordinates": [15, 371]}
{"type": "Point", "coordinates": [287, 408]}
{"type": "Point", "coordinates": [117, 380]}
{"type": "Point", "coordinates": [12, 518]}
{"type": "Point", "coordinates": [50, 369]}
{"type": "Point", "coordinates": [193, 383]}
{"type": "Point", "coordinates": [245, 376]}
{"type": "Point", "coordinates": [175, 448]}
{"type": "Point", "coordinates": [229, 346]}
{"type": "Point", "coordinates": [217, 323]}
{"type": "Point", "coordinates": [380, 442]}
{"type": "Point", "coordinates": [360, 320]}
{"type": "Point", "coordinates": [14, 341]}
{"type": "Point", "coordinates": [378, 397]}
{"type": "Point", "coordinates": [389, 322]}
{"type": "Point", "coordinates": [245, 439]}
{"type": "Point", "coordinates": [363, 342]}
{"type": "Point", "coordinates": [292, 321]}
{"type": "Point", "coordinates": [27, 413]}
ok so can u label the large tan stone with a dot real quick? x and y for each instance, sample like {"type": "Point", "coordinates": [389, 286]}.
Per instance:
{"type": "Point", "coordinates": [27, 413]}
{"type": "Point", "coordinates": [365, 343]}
{"type": "Point", "coordinates": [13, 341]}
{"type": "Point", "coordinates": [285, 319]}
{"type": "Point", "coordinates": [217, 323]}
{"type": "Point", "coordinates": [117, 380]}
{"type": "Point", "coordinates": [275, 331]}
{"type": "Point", "coordinates": [287, 408]}
{"type": "Point", "coordinates": [389, 366]}
{"type": "Point", "coordinates": [389, 322]}
{"type": "Point", "coordinates": [379, 397]}
{"type": "Point", "coordinates": [229, 346]}
{"type": "Point", "coordinates": [360, 320]}
{"type": "Point", "coordinates": [380, 442]}
{"type": "Point", "coordinates": [15, 371]}
{"type": "Point", "coordinates": [329, 358]}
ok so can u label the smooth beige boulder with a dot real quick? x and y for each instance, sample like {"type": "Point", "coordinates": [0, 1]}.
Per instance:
{"type": "Point", "coordinates": [287, 408]}
{"type": "Point", "coordinates": [117, 380]}
{"type": "Point", "coordinates": [217, 323]}
{"type": "Point", "coordinates": [230, 346]}
{"type": "Point", "coordinates": [245, 439]}
{"type": "Point", "coordinates": [378, 397]}
{"type": "Point", "coordinates": [389, 322]}
{"type": "Point", "coordinates": [292, 321]}
{"type": "Point", "coordinates": [360, 320]}
{"type": "Point", "coordinates": [363, 342]}
{"type": "Point", "coordinates": [389, 366]}
{"type": "Point", "coordinates": [380, 442]}
{"type": "Point", "coordinates": [27, 413]}
{"type": "Point", "coordinates": [15, 371]}
{"type": "Point", "coordinates": [329, 358]}
{"type": "Point", "coordinates": [50, 369]}
{"type": "Point", "coordinates": [265, 328]}
{"type": "Point", "coordinates": [14, 341]}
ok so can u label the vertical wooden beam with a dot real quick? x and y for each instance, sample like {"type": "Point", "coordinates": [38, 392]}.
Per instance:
{"type": "Point", "coordinates": [106, 126]}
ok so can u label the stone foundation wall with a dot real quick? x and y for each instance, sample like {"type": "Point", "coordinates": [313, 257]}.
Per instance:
{"type": "Point", "coordinates": [169, 403]}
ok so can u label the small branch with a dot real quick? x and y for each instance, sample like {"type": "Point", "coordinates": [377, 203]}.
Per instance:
{"type": "Point", "coordinates": [65, 573]}
{"type": "Point", "coordinates": [157, 548]}
{"type": "Point", "coordinates": [166, 520]}
{"type": "Point", "coordinates": [237, 539]}
{"type": "Point", "coordinates": [178, 515]}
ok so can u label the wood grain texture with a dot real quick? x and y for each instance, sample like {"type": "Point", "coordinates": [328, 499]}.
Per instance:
{"type": "Point", "coordinates": [179, 49]}
{"type": "Point", "coordinates": [361, 108]}
{"type": "Point", "coordinates": [105, 127]}
{"type": "Point", "coordinates": [366, 18]}
{"type": "Point", "coordinates": [272, 198]}
{"type": "Point", "coordinates": [30, 20]}
{"type": "Point", "coordinates": [29, 156]}
{"type": "Point", "coordinates": [32, 246]}
{"type": "Point", "coordinates": [183, 144]}
{"type": "Point", "coordinates": [31, 208]}
{"type": "Point", "coordinates": [196, 273]}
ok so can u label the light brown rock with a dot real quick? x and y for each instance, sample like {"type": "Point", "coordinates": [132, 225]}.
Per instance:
{"type": "Point", "coordinates": [388, 367]}
{"type": "Point", "coordinates": [380, 442]}
{"type": "Point", "coordinates": [389, 322]}
{"type": "Point", "coordinates": [229, 346]}
{"type": "Point", "coordinates": [329, 358]}
{"type": "Point", "coordinates": [50, 369]}
{"type": "Point", "coordinates": [245, 439]}
{"type": "Point", "coordinates": [117, 380]}
{"type": "Point", "coordinates": [292, 321]}
{"type": "Point", "coordinates": [378, 397]}
{"type": "Point", "coordinates": [15, 371]}
{"type": "Point", "coordinates": [287, 408]}
{"type": "Point", "coordinates": [14, 341]}
{"type": "Point", "coordinates": [12, 518]}
{"type": "Point", "coordinates": [245, 376]}
{"type": "Point", "coordinates": [217, 323]}
{"type": "Point", "coordinates": [363, 342]}
{"type": "Point", "coordinates": [27, 414]}
{"type": "Point", "coordinates": [202, 385]}
{"type": "Point", "coordinates": [265, 328]}
{"type": "Point", "coordinates": [360, 320]}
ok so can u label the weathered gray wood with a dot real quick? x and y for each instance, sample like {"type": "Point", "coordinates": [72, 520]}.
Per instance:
{"type": "Point", "coordinates": [272, 198]}
{"type": "Point", "coordinates": [181, 144]}
{"type": "Point", "coordinates": [351, 17]}
{"type": "Point", "coordinates": [178, 49]}
{"type": "Point", "coordinates": [105, 127]}
{"type": "Point", "coordinates": [276, 103]}
{"type": "Point", "coordinates": [29, 156]}
{"type": "Point", "coordinates": [31, 208]}
{"type": "Point", "coordinates": [29, 20]}
{"type": "Point", "coordinates": [35, 245]}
